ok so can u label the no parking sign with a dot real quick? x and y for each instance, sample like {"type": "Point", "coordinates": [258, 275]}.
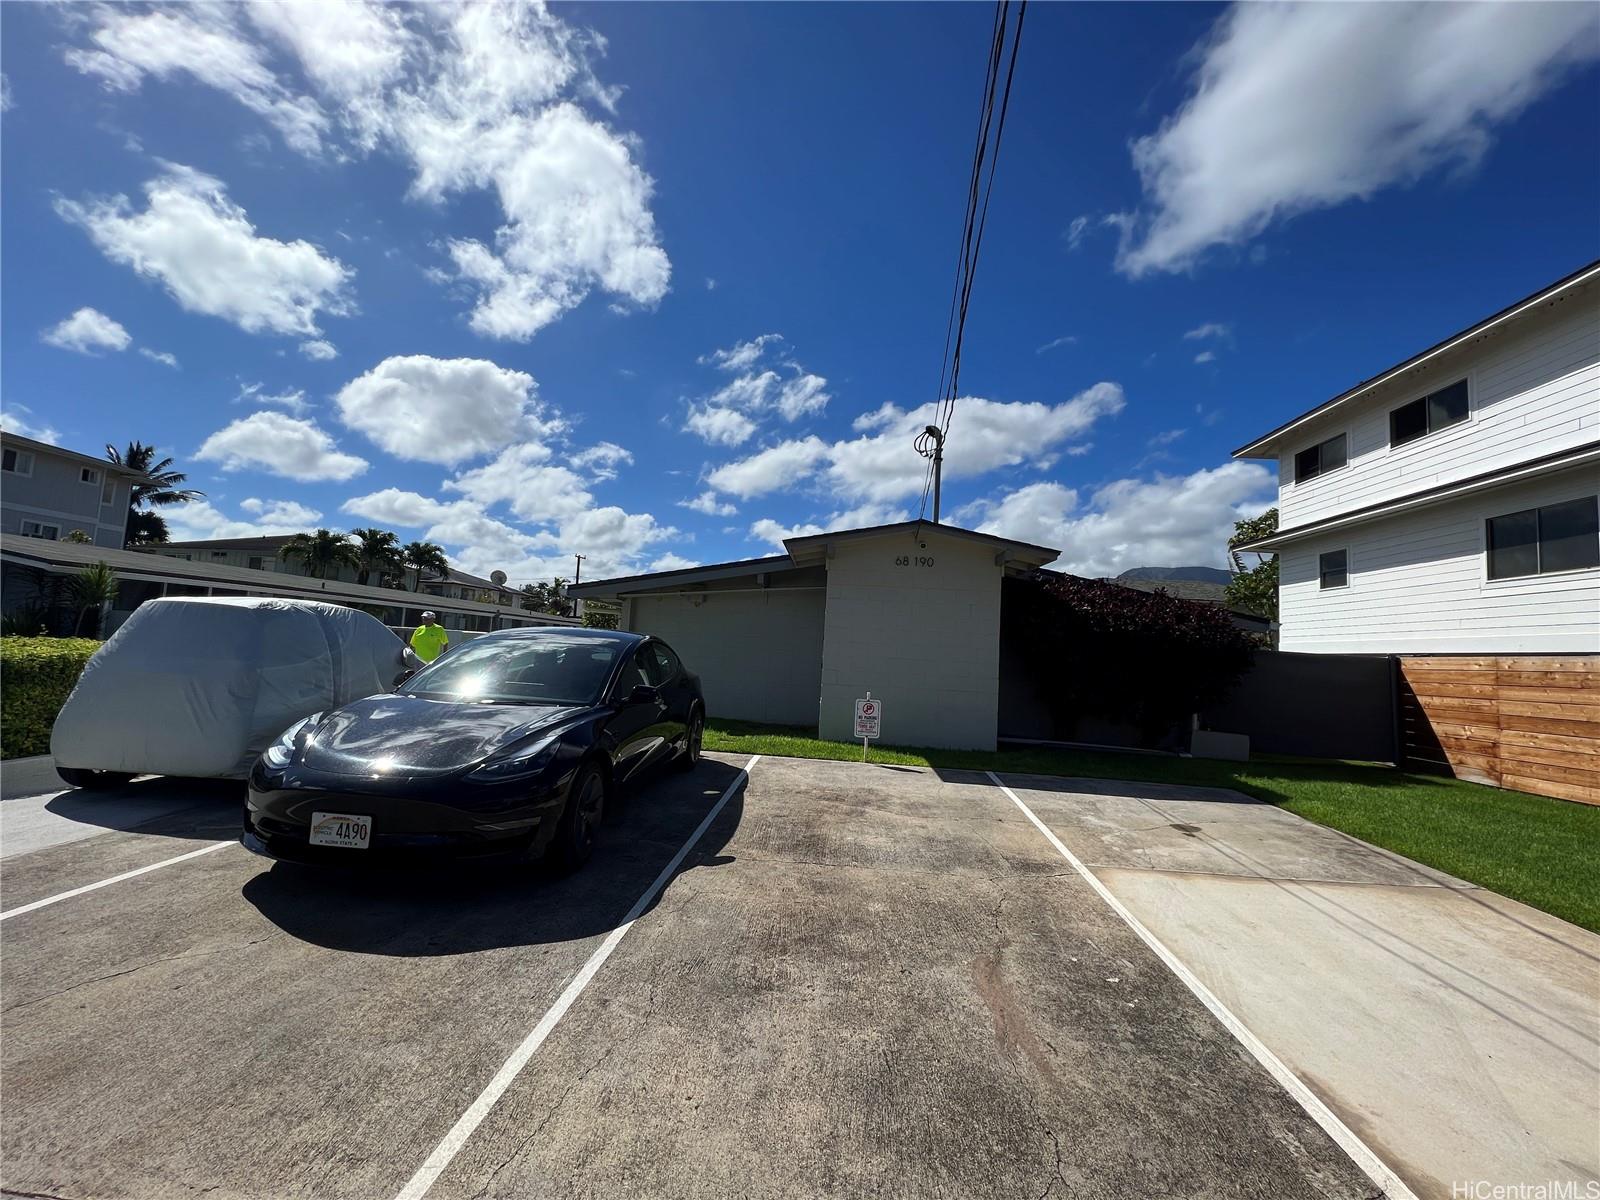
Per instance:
{"type": "Point", "coordinates": [869, 716]}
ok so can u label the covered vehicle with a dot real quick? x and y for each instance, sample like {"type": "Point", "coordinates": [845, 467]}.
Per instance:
{"type": "Point", "coordinates": [200, 686]}
{"type": "Point", "coordinates": [508, 747]}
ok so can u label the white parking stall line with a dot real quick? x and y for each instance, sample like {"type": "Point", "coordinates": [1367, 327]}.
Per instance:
{"type": "Point", "coordinates": [1360, 1153]}
{"type": "Point", "coordinates": [469, 1121]}
{"type": "Point", "coordinates": [94, 887]}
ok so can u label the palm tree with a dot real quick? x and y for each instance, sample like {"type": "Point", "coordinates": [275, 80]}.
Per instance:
{"type": "Point", "coordinates": [377, 550]}
{"type": "Point", "coordinates": [156, 488]}
{"type": "Point", "coordinates": [93, 588]}
{"type": "Point", "coordinates": [321, 550]}
{"type": "Point", "coordinates": [424, 556]}
{"type": "Point", "coordinates": [146, 528]}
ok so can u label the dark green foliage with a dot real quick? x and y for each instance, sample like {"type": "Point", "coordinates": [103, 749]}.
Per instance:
{"type": "Point", "coordinates": [36, 675]}
{"type": "Point", "coordinates": [1254, 589]}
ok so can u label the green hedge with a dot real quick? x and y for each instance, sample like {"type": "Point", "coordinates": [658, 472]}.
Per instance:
{"type": "Point", "coordinates": [35, 676]}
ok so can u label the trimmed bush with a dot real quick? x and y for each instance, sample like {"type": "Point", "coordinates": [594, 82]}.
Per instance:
{"type": "Point", "coordinates": [36, 675]}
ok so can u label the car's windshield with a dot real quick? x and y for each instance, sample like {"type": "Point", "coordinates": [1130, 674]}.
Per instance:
{"type": "Point", "coordinates": [540, 670]}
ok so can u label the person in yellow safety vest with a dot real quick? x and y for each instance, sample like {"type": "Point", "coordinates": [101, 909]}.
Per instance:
{"type": "Point", "coordinates": [430, 639]}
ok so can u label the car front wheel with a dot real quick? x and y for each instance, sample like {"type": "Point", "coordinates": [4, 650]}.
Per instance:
{"type": "Point", "coordinates": [98, 781]}
{"type": "Point", "coordinates": [580, 821]}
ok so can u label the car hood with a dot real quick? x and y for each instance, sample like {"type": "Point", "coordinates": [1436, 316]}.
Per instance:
{"type": "Point", "coordinates": [411, 736]}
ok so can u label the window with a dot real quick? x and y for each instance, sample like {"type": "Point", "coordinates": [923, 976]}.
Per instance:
{"type": "Point", "coordinates": [1333, 569]}
{"type": "Point", "coordinates": [18, 462]}
{"type": "Point", "coordinates": [255, 562]}
{"type": "Point", "coordinates": [664, 663]}
{"type": "Point", "coordinates": [89, 475]}
{"type": "Point", "coordinates": [1320, 459]}
{"type": "Point", "coordinates": [1540, 541]}
{"type": "Point", "coordinates": [108, 490]}
{"type": "Point", "coordinates": [632, 676]}
{"type": "Point", "coordinates": [1428, 414]}
{"type": "Point", "coordinates": [34, 529]}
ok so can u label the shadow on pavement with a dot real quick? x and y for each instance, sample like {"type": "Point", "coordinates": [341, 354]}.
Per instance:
{"type": "Point", "coordinates": [463, 909]}
{"type": "Point", "coordinates": [162, 805]}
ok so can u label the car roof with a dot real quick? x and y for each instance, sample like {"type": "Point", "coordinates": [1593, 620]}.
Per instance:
{"type": "Point", "coordinates": [621, 636]}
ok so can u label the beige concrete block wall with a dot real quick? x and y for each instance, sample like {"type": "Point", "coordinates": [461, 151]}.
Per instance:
{"type": "Point", "coordinates": [758, 653]}
{"type": "Point", "coordinates": [918, 624]}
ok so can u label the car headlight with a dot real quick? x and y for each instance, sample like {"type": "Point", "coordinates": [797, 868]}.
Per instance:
{"type": "Point", "coordinates": [522, 763]}
{"type": "Point", "coordinates": [281, 753]}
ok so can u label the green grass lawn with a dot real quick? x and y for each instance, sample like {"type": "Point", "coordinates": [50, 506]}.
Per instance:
{"type": "Point", "coordinates": [1543, 852]}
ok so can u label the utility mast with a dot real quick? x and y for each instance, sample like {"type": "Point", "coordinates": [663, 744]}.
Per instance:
{"type": "Point", "coordinates": [930, 444]}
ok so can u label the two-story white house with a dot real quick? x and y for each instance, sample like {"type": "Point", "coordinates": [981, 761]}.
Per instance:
{"type": "Point", "coordinates": [1448, 505]}
{"type": "Point", "coordinates": [47, 492]}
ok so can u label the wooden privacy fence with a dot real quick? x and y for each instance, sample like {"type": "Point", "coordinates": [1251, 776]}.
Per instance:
{"type": "Point", "coordinates": [1530, 723]}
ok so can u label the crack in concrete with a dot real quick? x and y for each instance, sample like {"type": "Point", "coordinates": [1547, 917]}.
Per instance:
{"type": "Point", "coordinates": [139, 967]}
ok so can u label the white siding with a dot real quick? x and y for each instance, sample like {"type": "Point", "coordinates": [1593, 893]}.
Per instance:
{"type": "Point", "coordinates": [1533, 390]}
{"type": "Point", "coordinates": [924, 639]}
{"type": "Point", "coordinates": [1419, 584]}
{"type": "Point", "coordinates": [758, 653]}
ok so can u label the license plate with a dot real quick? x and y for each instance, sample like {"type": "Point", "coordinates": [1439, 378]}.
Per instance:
{"type": "Point", "coordinates": [341, 829]}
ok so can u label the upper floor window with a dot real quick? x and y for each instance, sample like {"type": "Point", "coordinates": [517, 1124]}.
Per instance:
{"type": "Point", "coordinates": [108, 490]}
{"type": "Point", "coordinates": [18, 462]}
{"type": "Point", "coordinates": [1428, 414]}
{"type": "Point", "coordinates": [219, 554]}
{"type": "Point", "coordinates": [1320, 459]}
{"type": "Point", "coordinates": [1540, 541]}
{"type": "Point", "coordinates": [89, 475]}
{"type": "Point", "coordinates": [1333, 569]}
{"type": "Point", "coordinates": [34, 529]}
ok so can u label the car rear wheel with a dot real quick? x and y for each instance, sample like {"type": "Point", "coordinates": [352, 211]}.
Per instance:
{"type": "Point", "coordinates": [692, 741]}
{"type": "Point", "coordinates": [81, 777]}
{"type": "Point", "coordinates": [580, 821]}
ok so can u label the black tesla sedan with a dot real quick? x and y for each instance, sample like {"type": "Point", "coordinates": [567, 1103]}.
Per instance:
{"type": "Point", "coordinates": [511, 744]}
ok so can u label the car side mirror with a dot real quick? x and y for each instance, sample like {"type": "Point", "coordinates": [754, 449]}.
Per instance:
{"type": "Point", "coordinates": [643, 693]}
{"type": "Point", "coordinates": [400, 679]}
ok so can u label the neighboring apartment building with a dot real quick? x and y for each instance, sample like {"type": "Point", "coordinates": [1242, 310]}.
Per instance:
{"type": "Point", "coordinates": [47, 492]}
{"type": "Point", "coordinates": [263, 554]}
{"type": "Point", "coordinates": [1451, 504]}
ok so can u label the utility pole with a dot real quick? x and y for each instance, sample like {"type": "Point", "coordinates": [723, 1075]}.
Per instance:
{"type": "Point", "coordinates": [930, 444]}
{"type": "Point", "coordinates": [577, 575]}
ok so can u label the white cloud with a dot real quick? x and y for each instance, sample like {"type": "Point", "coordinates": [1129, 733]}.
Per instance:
{"type": "Point", "coordinates": [1304, 106]}
{"type": "Point", "coordinates": [200, 520]}
{"type": "Point", "coordinates": [290, 399]}
{"type": "Point", "coordinates": [441, 410]}
{"type": "Point", "coordinates": [1206, 356]}
{"type": "Point", "coordinates": [1075, 232]}
{"type": "Point", "coordinates": [200, 42]}
{"type": "Point", "coordinates": [770, 470]}
{"type": "Point", "coordinates": [776, 533]}
{"type": "Point", "coordinates": [720, 426]}
{"type": "Point", "coordinates": [1065, 340]}
{"type": "Point", "coordinates": [202, 246]}
{"type": "Point", "coordinates": [1211, 329]}
{"type": "Point", "coordinates": [522, 478]}
{"type": "Point", "coordinates": [741, 356]}
{"type": "Point", "coordinates": [711, 284]}
{"type": "Point", "coordinates": [986, 435]}
{"type": "Point", "coordinates": [861, 517]}
{"type": "Point", "coordinates": [18, 419]}
{"type": "Point", "coordinates": [6, 101]}
{"type": "Point", "coordinates": [473, 97]}
{"type": "Point", "coordinates": [673, 562]}
{"type": "Point", "coordinates": [730, 416]}
{"type": "Point", "coordinates": [708, 504]}
{"type": "Point", "coordinates": [87, 331]}
{"type": "Point", "coordinates": [602, 460]}
{"type": "Point", "coordinates": [319, 350]}
{"type": "Point", "coordinates": [161, 356]}
{"type": "Point", "coordinates": [1167, 437]}
{"type": "Point", "coordinates": [282, 445]}
{"type": "Point", "coordinates": [1178, 521]}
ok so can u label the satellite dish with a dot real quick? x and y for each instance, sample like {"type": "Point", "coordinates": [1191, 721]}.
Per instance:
{"type": "Point", "coordinates": [498, 578]}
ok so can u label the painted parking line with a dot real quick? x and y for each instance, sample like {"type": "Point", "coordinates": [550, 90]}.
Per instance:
{"type": "Point", "coordinates": [1360, 1153]}
{"type": "Point", "coordinates": [94, 887]}
{"type": "Point", "coordinates": [469, 1121]}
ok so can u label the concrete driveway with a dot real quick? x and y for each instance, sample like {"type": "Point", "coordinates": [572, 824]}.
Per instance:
{"type": "Point", "coordinates": [825, 979]}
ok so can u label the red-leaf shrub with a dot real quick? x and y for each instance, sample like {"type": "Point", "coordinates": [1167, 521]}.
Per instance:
{"type": "Point", "coordinates": [1100, 650]}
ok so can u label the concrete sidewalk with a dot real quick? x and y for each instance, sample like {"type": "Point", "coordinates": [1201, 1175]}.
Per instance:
{"type": "Point", "coordinates": [1456, 1031]}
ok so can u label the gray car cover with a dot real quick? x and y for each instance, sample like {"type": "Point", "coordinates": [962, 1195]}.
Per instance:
{"type": "Point", "coordinates": [202, 685]}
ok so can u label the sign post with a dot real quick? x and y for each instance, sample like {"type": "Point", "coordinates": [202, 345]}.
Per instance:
{"type": "Point", "coordinates": [869, 716]}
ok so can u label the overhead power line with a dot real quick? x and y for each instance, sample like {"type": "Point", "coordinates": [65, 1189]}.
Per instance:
{"type": "Point", "coordinates": [991, 128]}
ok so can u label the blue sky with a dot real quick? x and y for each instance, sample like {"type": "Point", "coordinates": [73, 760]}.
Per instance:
{"type": "Point", "coordinates": [657, 284]}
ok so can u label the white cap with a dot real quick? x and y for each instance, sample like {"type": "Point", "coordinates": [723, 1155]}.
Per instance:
{"type": "Point", "coordinates": [430, 615]}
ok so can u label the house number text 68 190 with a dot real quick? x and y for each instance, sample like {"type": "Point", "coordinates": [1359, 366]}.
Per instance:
{"type": "Point", "coordinates": [913, 560]}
